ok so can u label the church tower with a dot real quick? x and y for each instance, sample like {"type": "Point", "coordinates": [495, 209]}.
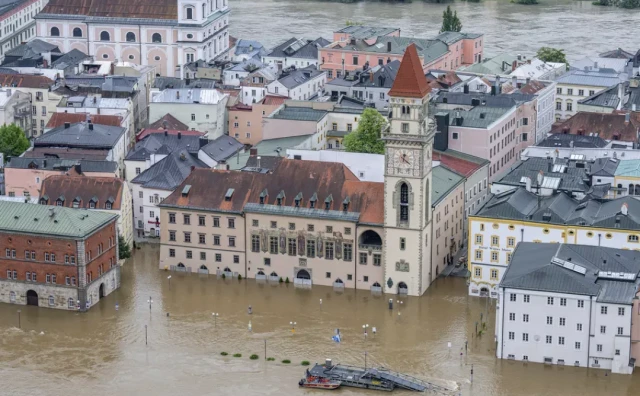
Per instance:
{"type": "Point", "coordinates": [407, 181]}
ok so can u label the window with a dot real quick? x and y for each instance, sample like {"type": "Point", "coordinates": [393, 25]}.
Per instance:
{"type": "Point", "coordinates": [478, 272]}
{"type": "Point", "coordinates": [172, 236]}
{"type": "Point", "coordinates": [559, 91]}
{"type": "Point", "coordinates": [455, 135]}
{"type": "Point", "coordinates": [511, 242]}
{"type": "Point", "coordinates": [577, 345]}
{"type": "Point", "coordinates": [580, 303]}
{"type": "Point", "coordinates": [311, 248]}
{"type": "Point", "coordinates": [189, 13]}
{"type": "Point", "coordinates": [187, 237]}
{"type": "Point", "coordinates": [77, 32]}
{"type": "Point", "coordinates": [549, 300]}
{"type": "Point", "coordinates": [620, 331]}
{"type": "Point", "coordinates": [232, 241]}
{"type": "Point", "coordinates": [377, 260]}
{"type": "Point", "coordinates": [236, 259]}
{"type": "Point", "coordinates": [525, 318]}
{"type": "Point", "coordinates": [172, 252]}
{"type": "Point", "coordinates": [104, 36]}
{"type": "Point", "coordinates": [560, 340]}
{"type": "Point", "coordinates": [218, 257]}
{"type": "Point", "coordinates": [495, 240]}
{"type": "Point", "coordinates": [156, 38]}
{"type": "Point", "coordinates": [193, 117]}
{"type": "Point", "coordinates": [328, 251]}
{"type": "Point", "coordinates": [479, 239]}
{"type": "Point", "coordinates": [494, 256]}
{"type": "Point", "coordinates": [581, 92]}
{"type": "Point", "coordinates": [603, 310]}
{"type": "Point", "coordinates": [512, 335]}
{"type": "Point", "coordinates": [527, 298]}
{"type": "Point", "coordinates": [494, 274]}
{"type": "Point", "coordinates": [579, 327]}
{"type": "Point", "coordinates": [603, 329]}
{"type": "Point", "coordinates": [292, 245]}
{"type": "Point", "coordinates": [216, 222]}
{"type": "Point", "coordinates": [274, 224]}
{"type": "Point", "coordinates": [558, 105]}
{"type": "Point", "coordinates": [512, 316]}
{"type": "Point", "coordinates": [267, 261]}
{"type": "Point", "coordinates": [525, 337]}
{"type": "Point", "coordinates": [405, 127]}
{"type": "Point", "coordinates": [478, 254]}
{"type": "Point", "coordinates": [232, 223]}
{"type": "Point", "coordinates": [186, 218]}
{"type": "Point", "coordinates": [549, 320]}
{"type": "Point", "coordinates": [292, 226]}
{"type": "Point", "coordinates": [563, 321]}
{"type": "Point", "coordinates": [273, 245]}
{"type": "Point", "coordinates": [55, 32]}
{"type": "Point", "coordinates": [632, 238]}
{"type": "Point", "coordinates": [347, 252]}
{"type": "Point", "coordinates": [172, 218]}
{"type": "Point", "coordinates": [403, 243]}
{"type": "Point", "coordinates": [569, 106]}
{"type": "Point", "coordinates": [201, 238]}
{"type": "Point", "coordinates": [569, 91]}
{"type": "Point", "coordinates": [512, 297]}
{"type": "Point", "coordinates": [131, 37]}
{"type": "Point", "coordinates": [549, 339]}
{"type": "Point", "coordinates": [201, 220]}
{"type": "Point", "coordinates": [563, 302]}
{"type": "Point", "coordinates": [363, 258]}
{"type": "Point", "coordinates": [621, 311]}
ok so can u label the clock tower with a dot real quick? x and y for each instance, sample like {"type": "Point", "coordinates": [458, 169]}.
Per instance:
{"type": "Point", "coordinates": [407, 181]}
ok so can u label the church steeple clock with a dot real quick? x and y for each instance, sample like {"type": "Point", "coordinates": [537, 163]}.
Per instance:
{"type": "Point", "coordinates": [407, 181]}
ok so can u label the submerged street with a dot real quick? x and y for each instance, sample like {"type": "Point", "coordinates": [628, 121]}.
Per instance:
{"type": "Point", "coordinates": [103, 351]}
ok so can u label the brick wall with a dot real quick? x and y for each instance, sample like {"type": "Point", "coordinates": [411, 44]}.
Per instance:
{"type": "Point", "coordinates": [109, 251]}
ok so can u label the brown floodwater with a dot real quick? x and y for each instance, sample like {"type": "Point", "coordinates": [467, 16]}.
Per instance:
{"type": "Point", "coordinates": [103, 352]}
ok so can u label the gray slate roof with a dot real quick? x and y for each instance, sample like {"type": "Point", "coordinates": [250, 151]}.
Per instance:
{"type": "Point", "coordinates": [570, 140]}
{"type": "Point", "coordinates": [170, 172]}
{"type": "Point", "coordinates": [428, 49]}
{"type": "Point", "coordinates": [383, 76]}
{"type": "Point", "coordinates": [363, 32]}
{"type": "Point", "coordinates": [163, 83]}
{"type": "Point", "coordinates": [531, 268]}
{"type": "Point", "coordinates": [32, 48]}
{"type": "Point", "coordinates": [444, 180]}
{"type": "Point", "coordinates": [159, 143]}
{"type": "Point", "coordinates": [79, 135]}
{"type": "Point", "coordinates": [477, 117]}
{"type": "Point", "coordinates": [452, 37]}
{"type": "Point", "coordinates": [299, 48]}
{"type": "Point", "coordinates": [302, 212]}
{"type": "Point", "coordinates": [601, 78]}
{"type": "Point", "coordinates": [604, 167]}
{"type": "Point", "coordinates": [222, 148]}
{"type": "Point", "coordinates": [294, 78]}
{"type": "Point", "coordinates": [71, 58]}
{"type": "Point", "coordinates": [501, 100]}
{"type": "Point", "coordinates": [606, 98]}
{"type": "Point", "coordinates": [62, 164]}
{"type": "Point", "coordinates": [572, 179]}
{"type": "Point", "coordinates": [519, 204]}
{"type": "Point", "coordinates": [299, 114]}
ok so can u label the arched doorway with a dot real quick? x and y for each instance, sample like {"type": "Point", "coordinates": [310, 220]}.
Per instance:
{"type": "Point", "coordinates": [32, 298]}
{"type": "Point", "coordinates": [180, 265]}
{"type": "Point", "coordinates": [260, 273]}
{"type": "Point", "coordinates": [203, 269]}
{"type": "Point", "coordinates": [273, 274]}
{"type": "Point", "coordinates": [484, 292]}
{"type": "Point", "coordinates": [227, 269]}
{"type": "Point", "coordinates": [101, 291]}
{"type": "Point", "coordinates": [303, 274]}
{"type": "Point", "coordinates": [376, 284]}
{"type": "Point", "coordinates": [402, 288]}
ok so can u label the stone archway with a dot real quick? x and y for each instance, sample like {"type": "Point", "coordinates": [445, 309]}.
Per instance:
{"type": "Point", "coordinates": [101, 291]}
{"type": "Point", "coordinates": [32, 298]}
{"type": "Point", "coordinates": [403, 288]}
{"type": "Point", "coordinates": [303, 274]}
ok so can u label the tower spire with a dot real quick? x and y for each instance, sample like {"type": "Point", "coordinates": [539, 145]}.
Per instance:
{"type": "Point", "coordinates": [410, 81]}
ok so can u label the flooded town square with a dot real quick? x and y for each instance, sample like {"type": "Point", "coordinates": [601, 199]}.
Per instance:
{"type": "Point", "coordinates": [103, 351]}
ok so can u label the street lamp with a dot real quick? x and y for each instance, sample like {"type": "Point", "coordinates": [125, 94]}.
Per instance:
{"type": "Point", "coordinates": [293, 326]}
{"type": "Point", "coordinates": [150, 301]}
{"type": "Point", "coordinates": [215, 319]}
{"type": "Point", "coordinates": [169, 278]}
{"type": "Point", "coordinates": [19, 324]}
{"type": "Point", "coordinates": [364, 328]}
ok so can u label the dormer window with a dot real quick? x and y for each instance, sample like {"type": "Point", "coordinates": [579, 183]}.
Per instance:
{"type": "Point", "coordinates": [279, 201]}
{"type": "Point", "coordinates": [345, 204]}
{"type": "Point", "coordinates": [59, 203]}
{"type": "Point", "coordinates": [261, 200]}
{"type": "Point", "coordinates": [312, 201]}
{"type": "Point", "coordinates": [280, 197]}
{"type": "Point", "coordinates": [263, 196]}
{"type": "Point", "coordinates": [327, 202]}
{"type": "Point", "coordinates": [327, 205]}
{"type": "Point", "coordinates": [107, 205]}
{"type": "Point", "coordinates": [297, 202]}
{"type": "Point", "coordinates": [229, 194]}
{"type": "Point", "coordinates": [92, 205]}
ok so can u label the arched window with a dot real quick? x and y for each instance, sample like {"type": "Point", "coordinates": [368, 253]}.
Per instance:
{"type": "Point", "coordinates": [189, 13]}
{"type": "Point", "coordinates": [404, 203]}
{"type": "Point", "coordinates": [131, 36]}
{"type": "Point", "coordinates": [405, 110]}
{"type": "Point", "coordinates": [55, 32]}
{"type": "Point", "coordinates": [156, 38]}
{"type": "Point", "coordinates": [104, 36]}
{"type": "Point", "coordinates": [637, 189]}
{"type": "Point", "coordinates": [77, 32]}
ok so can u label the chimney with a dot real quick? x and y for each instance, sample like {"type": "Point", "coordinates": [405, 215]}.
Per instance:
{"type": "Point", "coordinates": [514, 82]}
{"type": "Point", "coordinates": [95, 100]}
{"type": "Point", "coordinates": [183, 157]}
{"type": "Point", "coordinates": [527, 182]}
{"type": "Point", "coordinates": [52, 212]}
{"type": "Point", "coordinates": [253, 152]}
{"type": "Point", "coordinates": [90, 126]}
{"type": "Point", "coordinates": [179, 135]}
{"type": "Point", "coordinates": [389, 46]}
{"type": "Point", "coordinates": [627, 118]}
{"type": "Point", "coordinates": [67, 125]}
{"type": "Point", "coordinates": [193, 167]}
{"type": "Point", "coordinates": [8, 92]}
{"type": "Point", "coordinates": [519, 57]}
{"type": "Point", "coordinates": [188, 80]}
{"type": "Point", "coordinates": [258, 162]}
{"type": "Point", "coordinates": [166, 133]}
{"type": "Point", "coordinates": [624, 209]}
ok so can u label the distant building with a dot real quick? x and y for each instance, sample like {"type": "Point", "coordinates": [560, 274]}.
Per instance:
{"type": "Point", "coordinates": [247, 49]}
{"type": "Point", "coordinates": [15, 108]}
{"type": "Point", "coordinates": [200, 109]}
{"type": "Point", "coordinates": [245, 122]}
{"type": "Point", "coordinates": [570, 304]}
{"type": "Point", "coordinates": [18, 23]}
{"type": "Point", "coordinates": [105, 194]}
{"type": "Point", "coordinates": [579, 84]}
{"type": "Point", "coordinates": [295, 52]}
{"type": "Point", "coordinates": [299, 84]}
{"type": "Point", "coordinates": [163, 33]}
{"type": "Point", "coordinates": [371, 85]}
{"type": "Point", "coordinates": [218, 152]}
{"type": "Point", "coordinates": [57, 257]}
{"type": "Point", "coordinates": [621, 129]}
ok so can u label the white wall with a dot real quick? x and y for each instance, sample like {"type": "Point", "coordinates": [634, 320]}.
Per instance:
{"type": "Point", "coordinates": [367, 167]}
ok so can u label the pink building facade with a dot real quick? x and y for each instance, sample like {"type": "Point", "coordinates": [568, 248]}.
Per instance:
{"type": "Point", "coordinates": [180, 32]}
{"type": "Point", "coordinates": [447, 51]}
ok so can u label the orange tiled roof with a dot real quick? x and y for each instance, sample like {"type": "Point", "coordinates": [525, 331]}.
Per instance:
{"type": "Point", "coordinates": [410, 80]}
{"type": "Point", "coordinates": [85, 188]}
{"type": "Point", "coordinates": [25, 81]}
{"type": "Point", "coordinates": [58, 119]}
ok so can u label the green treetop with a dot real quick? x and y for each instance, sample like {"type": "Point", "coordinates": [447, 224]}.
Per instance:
{"type": "Point", "coordinates": [13, 141]}
{"type": "Point", "coordinates": [450, 21]}
{"type": "Point", "coordinates": [366, 138]}
{"type": "Point", "coordinates": [548, 54]}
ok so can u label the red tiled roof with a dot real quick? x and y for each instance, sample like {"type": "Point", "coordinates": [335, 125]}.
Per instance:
{"type": "Point", "coordinates": [58, 119]}
{"type": "Point", "coordinates": [274, 100]}
{"type": "Point", "coordinates": [456, 164]}
{"type": "Point", "coordinates": [154, 9]}
{"type": "Point", "coordinates": [25, 81]}
{"type": "Point", "coordinates": [86, 188]}
{"type": "Point", "coordinates": [605, 126]}
{"type": "Point", "coordinates": [208, 188]}
{"type": "Point", "coordinates": [170, 122]}
{"type": "Point", "coordinates": [410, 80]}
{"type": "Point", "coordinates": [533, 87]}
{"type": "Point", "coordinates": [146, 132]}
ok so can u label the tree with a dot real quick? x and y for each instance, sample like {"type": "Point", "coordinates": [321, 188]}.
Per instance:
{"type": "Point", "coordinates": [13, 141]}
{"type": "Point", "coordinates": [366, 138]}
{"type": "Point", "coordinates": [124, 250]}
{"type": "Point", "coordinates": [548, 54]}
{"type": "Point", "coordinates": [450, 21]}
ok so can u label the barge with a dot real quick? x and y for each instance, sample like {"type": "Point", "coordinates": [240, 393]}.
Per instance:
{"type": "Point", "coordinates": [371, 378]}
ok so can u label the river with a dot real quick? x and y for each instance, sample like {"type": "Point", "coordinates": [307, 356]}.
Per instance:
{"type": "Point", "coordinates": [578, 27]}
{"type": "Point", "coordinates": [103, 352]}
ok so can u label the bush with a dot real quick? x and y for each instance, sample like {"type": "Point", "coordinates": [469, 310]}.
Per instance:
{"type": "Point", "coordinates": [286, 361]}
{"type": "Point", "coordinates": [270, 359]}
{"type": "Point", "coordinates": [239, 277]}
{"type": "Point", "coordinates": [280, 280]}
{"type": "Point", "coordinates": [253, 357]}
{"type": "Point", "coordinates": [223, 353]}
{"type": "Point", "coordinates": [286, 280]}
{"type": "Point", "coordinates": [237, 355]}
{"type": "Point", "coordinates": [305, 363]}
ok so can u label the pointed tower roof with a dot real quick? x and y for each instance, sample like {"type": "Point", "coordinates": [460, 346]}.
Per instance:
{"type": "Point", "coordinates": [410, 81]}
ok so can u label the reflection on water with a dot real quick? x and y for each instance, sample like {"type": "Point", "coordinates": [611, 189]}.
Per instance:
{"type": "Point", "coordinates": [103, 351]}
{"type": "Point", "coordinates": [577, 26]}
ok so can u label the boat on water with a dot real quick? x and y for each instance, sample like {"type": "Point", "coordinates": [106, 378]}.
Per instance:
{"type": "Point", "coordinates": [313, 382]}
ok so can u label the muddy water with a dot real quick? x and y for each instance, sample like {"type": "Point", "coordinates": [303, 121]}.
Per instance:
{"type": "Point", "coordinates": [103, 352]}
{"type": "Point", "coordinates": [578, 27]}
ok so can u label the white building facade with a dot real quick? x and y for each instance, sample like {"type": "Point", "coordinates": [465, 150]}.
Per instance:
{"type": "Point", "coordinates": [159, 37]}
{"type": "Point", "coordinates": [17, 23]}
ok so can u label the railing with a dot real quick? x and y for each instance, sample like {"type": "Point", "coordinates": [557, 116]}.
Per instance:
{"type": "Point", "coordinates": [377, 248]}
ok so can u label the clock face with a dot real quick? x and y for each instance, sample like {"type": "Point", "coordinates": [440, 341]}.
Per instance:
{"type": "Point", "coordinates": [403, 159]}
